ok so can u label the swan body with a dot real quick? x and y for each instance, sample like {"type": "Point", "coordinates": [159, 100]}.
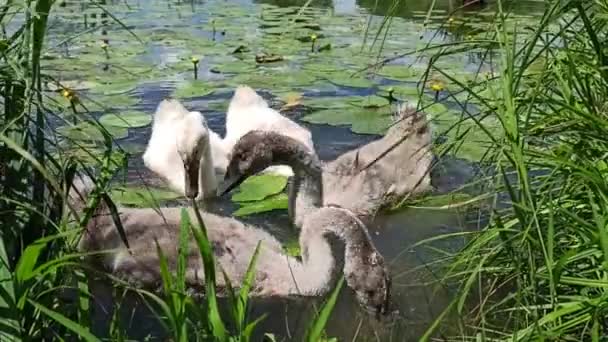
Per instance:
{"type": "Point", "coordinates": [248, 111]}
{"type": "Point", "coordinates": [180, 135]}
{"type": "Point", "coordinates": [342, 182]}
{"type": "Point", "coordinates": [234, 243]}
{"type": "Point", "coordinates": [384, 171]}
{"type": "Point", "coordinates": [184, 151]}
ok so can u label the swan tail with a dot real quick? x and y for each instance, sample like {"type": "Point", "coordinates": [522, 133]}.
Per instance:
{"type": "Point", "coordinates": [245, 96]}
{"type": "Point", "coordinates": [170, 109]}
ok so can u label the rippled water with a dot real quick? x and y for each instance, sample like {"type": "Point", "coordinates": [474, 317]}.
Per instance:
{"type": "Point", "coordinates": [172, 32]}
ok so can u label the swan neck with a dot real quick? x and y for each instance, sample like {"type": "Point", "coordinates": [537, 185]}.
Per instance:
{"type": "Point", "coordinates": [333, 239]}
{"type": "Point", "coordinates": [207, 180]}
{"type": "Point", "coordinates": [306, 191]}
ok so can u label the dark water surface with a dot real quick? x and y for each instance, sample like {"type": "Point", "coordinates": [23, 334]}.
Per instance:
{"type": "Point", "coordinates": [417, 302]}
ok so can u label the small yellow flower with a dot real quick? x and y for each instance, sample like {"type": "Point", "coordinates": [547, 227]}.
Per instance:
{"type": "Point", "coordinates": [65, 93]}
{"type": "Point", "coordinates": [104, 45]}
{"type": "Point", "coordinates": [313, 37]}
{"type": "Point", "coordinates": [437, 86]}
{"type": "Point", "coordinates": [451, 20]}
{"type": "Point", "coordinates": [194, 60]}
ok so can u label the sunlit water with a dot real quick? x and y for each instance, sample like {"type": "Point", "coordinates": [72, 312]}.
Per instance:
{"type": "Point", "coordinates": [415, 295]}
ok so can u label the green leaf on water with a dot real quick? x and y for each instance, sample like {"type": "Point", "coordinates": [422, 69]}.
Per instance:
{"type": "Point", "coordinates": [400, 92]}
{"type": "Point", "coordinates": [362, 120]}
{"type": "Point", "coordinates": [118, 101]}
{"type": "Point", "coordinates": [234, 67]}
{"type": "Point", "coordinates": [327, 102]}
{"type": "Point", "coordinates": [114, 87]}
{"type": "Point", "coordinates": [344, 79]}
{"type": "Point", "coordinates": [196, 88]}
{"type": "Point", "coordinates": [87, 131]}
{"type": "Point", "coordinates": [399, 72]}
{"type": "Point", "coordinates": [279, 201]}
{"type": "Point", "coordinates": [258, 187]}
{"type": "Point", "coordinates": [126, 119]}
{"type": "Point", "coordinates": [141, 197]}
{"type": "Point", "coordinates": [372, 101]}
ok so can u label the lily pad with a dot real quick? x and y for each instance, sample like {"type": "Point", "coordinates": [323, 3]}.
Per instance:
{"type": "Point", "coordinates": [195, 88]}
{"type": "Point", "coordinates": [399, 91]}
{"type": "Point", "coordinates": [326, 102]}
{"type": "Point", "coordinates": [126, 119]}
{"type": "Point", "coordinates": [90, 132]}
{"type": "Point", "coordinates": [90, 155]}
{"type": "Point", "coordinates": [236, 67]}
{"type": "Point", "coordinates": [344, 79]}
{"type": "Point", "coordinates": [362, 121]}
{"type": "Point", "coordinates": [141, 197]}
{"type": "Point", "coordinates": [114, 87]}
{"type": "Point", "coordinates": [399, 72]}
{"type": "Point", "coordinates": [278, 201]}
{"type": "Point", "coordinates": [259, 187]}
{"type": "Point", "coordinates": [373, 101]}
{"type": "Point", "coordinates": [118, 101]}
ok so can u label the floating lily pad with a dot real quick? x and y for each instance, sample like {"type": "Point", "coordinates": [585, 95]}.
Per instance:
{"type": "Point", "coordinates": [236, 67]}
{"type": "Point", "coordinates": [87, 131]}
{"type": "Point", "coordinates": [114, 87]}
{"type": "Point", "coordinates": [117, 101]}
{"type": "Point", "coordinates": [141, 197]}
{"type": "Point", "coordinates": [278, 201]}
{"type": "Point", "coordinates": [90, 155]}
{"type": "Point", "coordinates": [370, 101]}
{"type": "Point", "coordinates": [344, 79]}
{"type": "Point", "coordinates": [326, 102]}
{"type": "Point", "coordinates": [362, 121]}
{"type": "Point", "coordinates": [399, 91]}
{"type": "Point", "coordinates": [126, 119]}
{"type": "Point", "coordinates": [193, 89]}
{"type": "Point", "coordinates": [258, 187]}
{"type": "Point", "coordinates": [399, 72]}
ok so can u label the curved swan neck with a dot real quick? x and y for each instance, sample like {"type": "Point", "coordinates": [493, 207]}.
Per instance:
{"type": "Point", "coordinates": [207, 180]}
{"type": "Point", "coordinates": [321, 258]}
{"type": "Point", "coordinates": [306, 191]}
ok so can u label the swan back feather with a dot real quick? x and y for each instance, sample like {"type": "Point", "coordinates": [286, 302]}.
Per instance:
{"type": "Point", "coordinates": [248, 111]}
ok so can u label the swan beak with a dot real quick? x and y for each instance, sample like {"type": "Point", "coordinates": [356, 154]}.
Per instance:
{"type": "Point", "coordinates": [231, 182]}
{"type": "Point", "coordinates": [191, 180]}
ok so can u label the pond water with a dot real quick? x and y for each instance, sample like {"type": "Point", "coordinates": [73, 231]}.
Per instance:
{"type": "Point", "coordinates": [127, 68]}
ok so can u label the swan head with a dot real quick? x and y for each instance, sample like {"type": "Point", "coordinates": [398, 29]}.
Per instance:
{"type": "Point", "coordinates": [257, 150]}
{"type": "Point", "coordinates": [191, 142]}
{"type": "Point", "coordinates": [371, 282]}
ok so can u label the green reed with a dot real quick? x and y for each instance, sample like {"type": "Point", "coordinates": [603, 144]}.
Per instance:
{"type": "Point", "coordinates": [539, 269]}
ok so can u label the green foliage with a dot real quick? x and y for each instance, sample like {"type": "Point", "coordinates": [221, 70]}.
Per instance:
{"type": "Point", "coordinates": [537, 270]}
{"type": "Point", "coordinates": [260, 194]}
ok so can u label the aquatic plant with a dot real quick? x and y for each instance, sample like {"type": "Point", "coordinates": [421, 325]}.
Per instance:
{"type": "Point", "coordinates": [537, 269]}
